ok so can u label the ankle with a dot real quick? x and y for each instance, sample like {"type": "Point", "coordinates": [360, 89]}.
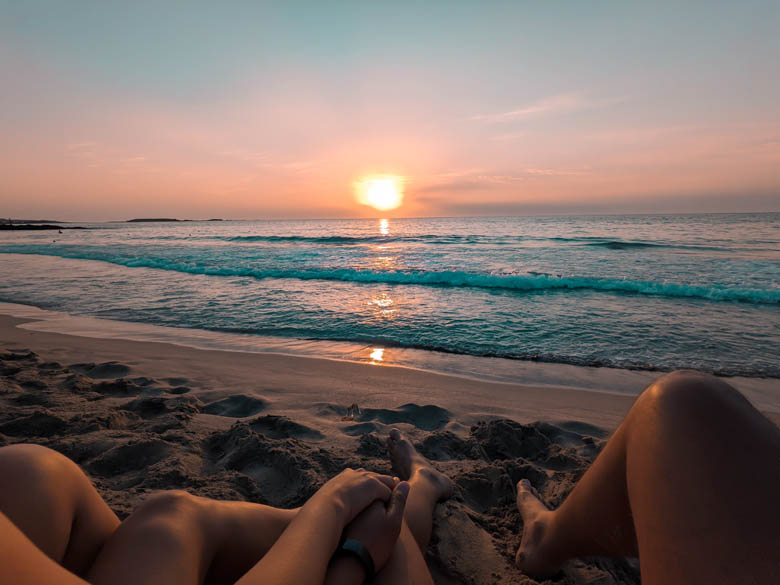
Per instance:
{"type": "Point", "coordinates": [554, 541]}
{"type": "Point", "coordinates": [542, 550]}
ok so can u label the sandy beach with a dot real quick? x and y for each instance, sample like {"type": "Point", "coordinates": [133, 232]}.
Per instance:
{"type": "Point", "coordinates": [141, 417]}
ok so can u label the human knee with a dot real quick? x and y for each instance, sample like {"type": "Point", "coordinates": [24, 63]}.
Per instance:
{"type": "Point", "coordinates": [37, 466]}
{"type": "Point", "coordinates": [169, 503]}
{"type": "Point", "coordinates": [170, 517]}
{"type": "Point", "coordinates": [689, 391]}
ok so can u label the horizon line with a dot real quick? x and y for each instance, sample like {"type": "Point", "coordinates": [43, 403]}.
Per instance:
{"type": "Point", "coordinates": [379, 217]}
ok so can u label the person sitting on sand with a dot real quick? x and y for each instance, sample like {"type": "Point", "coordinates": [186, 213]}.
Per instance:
{"type": "Point", "coordinates": [688, 482]}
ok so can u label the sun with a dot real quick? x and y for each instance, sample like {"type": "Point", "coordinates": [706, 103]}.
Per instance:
{"type": "Point", "coordinates": [382, 192]}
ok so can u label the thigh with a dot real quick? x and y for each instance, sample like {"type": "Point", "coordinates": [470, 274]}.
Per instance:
{"type": "Point", "coordinates": [703, 475]}
{"type": "Point", "coordinates": [54, 505]}
{"type": "Point", "coordinates": [163, 541]}
{"type": "Point", "coordinates": [406, 565]}
{"type": "Point", "coordinates": [180, 539]}
{"type": "Point", "coordinates": [23, 563]}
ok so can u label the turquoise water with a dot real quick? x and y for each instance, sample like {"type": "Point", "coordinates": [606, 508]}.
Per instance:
{"type": "Point", "coordinates": [644, 292]}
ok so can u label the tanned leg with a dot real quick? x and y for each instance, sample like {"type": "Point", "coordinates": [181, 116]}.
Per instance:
{"type": "Point", "coordinates": [427, 487]}
{"type": "Point", "coordinates": [174, 537]}
{"type": "Point", "coordinates": [177, 538]}
{"type": "Point", "coordinates": [54, 505]}
{"type": "Point", "coordinates": [180, 539]}
{"type": "Point", "coordinates": [689, 480]}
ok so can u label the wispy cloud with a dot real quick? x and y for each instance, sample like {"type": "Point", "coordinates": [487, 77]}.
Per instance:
{"type": "Point", "coordinates": [258, 158]}
{"type": "Point", "coordinates": [508, 136]}
{"type": "Point", "coordinates": [84, 151]}
{"type": "Point", "coordinates": [300, 166]}
{"type": "Point", "coordinates": [557, 172]}
{"type": "Point", "coordinates": [563, 102]}
{"type": "Point", "coordinates": [76, 146]}
{"type": "Point", "coordinates": [474, 180]}
{"type": "Point", "coordinates": [130, 160]}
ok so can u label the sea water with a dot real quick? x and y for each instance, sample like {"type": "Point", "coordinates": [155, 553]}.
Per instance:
{"type": "Point", "coordinates": [654, 292]}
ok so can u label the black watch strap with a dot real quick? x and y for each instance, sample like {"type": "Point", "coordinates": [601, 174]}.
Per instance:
{"type": "Point", "coordinates": [355, 548]}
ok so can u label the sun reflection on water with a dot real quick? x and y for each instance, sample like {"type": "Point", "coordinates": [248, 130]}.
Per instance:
{"type": "Point", "coordinates": [384, 305]}
{"type": "Point", "coordinates": [384, 227]}
{"type": "Point", "coordinates": [384, 263]}
{"type": "Point", "coordinates": [377, 354]}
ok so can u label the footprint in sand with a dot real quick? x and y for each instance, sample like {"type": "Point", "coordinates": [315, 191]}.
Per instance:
{"type": "Point", "coordinates": [281, 427]}
{"type": "Point", "coordinates": [101, 371]}
{"type": "Point", "coordinates": [426, 418]}
{"type": "Point", "coordinates": [236, 406]}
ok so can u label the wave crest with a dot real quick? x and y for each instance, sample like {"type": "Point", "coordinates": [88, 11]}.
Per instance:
{"type": "Point", "coordinates": [520, 282]}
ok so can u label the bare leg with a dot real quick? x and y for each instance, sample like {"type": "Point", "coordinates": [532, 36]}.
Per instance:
{"type": "Point", "coordinates": [182, 539]}
{"type": "Point", "coordinates": [689, 480]}
{"type": "Point", "coordinates": [54, 504]}
{"type": "Point", "coordinates": [177, 538]}
{"type": "Point", "coordinates": [427, 487]}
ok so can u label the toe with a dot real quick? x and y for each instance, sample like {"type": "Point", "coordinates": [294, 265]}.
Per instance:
{"type": "Point", "coordinates": [527, 497]}
{"type": "Point", "coordinates": [395, 435]}
{"type": "Point", "coordinates": [523, 488]}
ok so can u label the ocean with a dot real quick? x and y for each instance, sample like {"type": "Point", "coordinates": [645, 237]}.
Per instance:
{"type": "Point", "coordinates": [647, 292]}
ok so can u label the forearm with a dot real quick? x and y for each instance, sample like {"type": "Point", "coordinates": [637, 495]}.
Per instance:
{"type": "Point", "coordinates": [301, 554]}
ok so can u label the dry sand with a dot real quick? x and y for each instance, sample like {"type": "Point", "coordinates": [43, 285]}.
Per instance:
{"type": "Point", "coordinates": [140, 417]}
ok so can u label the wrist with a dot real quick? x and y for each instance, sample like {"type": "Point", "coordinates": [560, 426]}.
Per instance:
{"type": "Point", "coordinates": [345, 570]}
{"type": "Point", "coordinates": [337, 508]}
{"type": "Point", "coordinates": [355, 550]}
{"type": "Point", "coordinates": [328, 516]}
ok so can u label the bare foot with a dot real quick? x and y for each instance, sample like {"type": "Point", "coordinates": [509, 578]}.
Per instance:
{"type": "Point", "coordinates": [408, 463]}
{"type": "Point", "coordinates": [534, 556]}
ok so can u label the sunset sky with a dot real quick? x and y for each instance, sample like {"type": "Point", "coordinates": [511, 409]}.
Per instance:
{"type": "Point", "coordinates": [113, 110]}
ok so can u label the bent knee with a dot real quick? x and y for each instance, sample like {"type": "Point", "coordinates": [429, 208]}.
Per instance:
{"type": "Point", "coordinates": [170, 502]}
{"type": "Point", "coordinates": [26, 462]}
{"type": "Point", "coordinates": [172, 517]}
{"type": "Point", "coordinates": [692, 392]}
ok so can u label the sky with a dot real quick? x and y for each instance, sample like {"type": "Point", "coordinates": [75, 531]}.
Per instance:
{"type": "Point", "coordinates": [114, 110]}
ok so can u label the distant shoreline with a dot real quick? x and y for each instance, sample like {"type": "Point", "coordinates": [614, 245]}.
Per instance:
{"type": "Point", "coordinates": [398, 218]}
{"type": "Point", "coordinates": [37, 227]}
{"type": "Point", "coordinates": [165, 220]}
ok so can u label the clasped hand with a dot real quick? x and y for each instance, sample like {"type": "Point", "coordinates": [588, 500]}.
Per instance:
{"type": "Point", "coordinates": [371, 506]}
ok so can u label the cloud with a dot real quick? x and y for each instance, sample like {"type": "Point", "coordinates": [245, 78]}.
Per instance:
{"type": "Point", "coordinates": [741, 201]}
{"type": "Point", "coordinates": [259, 158]}
{"type": "Point", "coordinates": [557, 172]}
{"type": "Point", "coordinates": [508, 136]}
{"type": "Point", "coordinates": [80, 145]}
{"type": "Point", "coordinates": [479, 180]}
{"type": "Point", "coordinates": [563, 102]}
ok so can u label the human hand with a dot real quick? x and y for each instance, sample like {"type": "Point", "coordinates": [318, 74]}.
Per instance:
{"type": "Point", "coordinates": [378, 526]}
{"type": "Point", "coordinates": [354, 490]}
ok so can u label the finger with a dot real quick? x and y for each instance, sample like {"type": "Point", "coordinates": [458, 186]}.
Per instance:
{"type": "Point", "coordinates": [395, 509]}
{"type": "Point", "coordinates": [361, 495]}
{"type": "Point", "coordinates": [385, 479]}
{"type": "Point", "coordinates": [381, 491]}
